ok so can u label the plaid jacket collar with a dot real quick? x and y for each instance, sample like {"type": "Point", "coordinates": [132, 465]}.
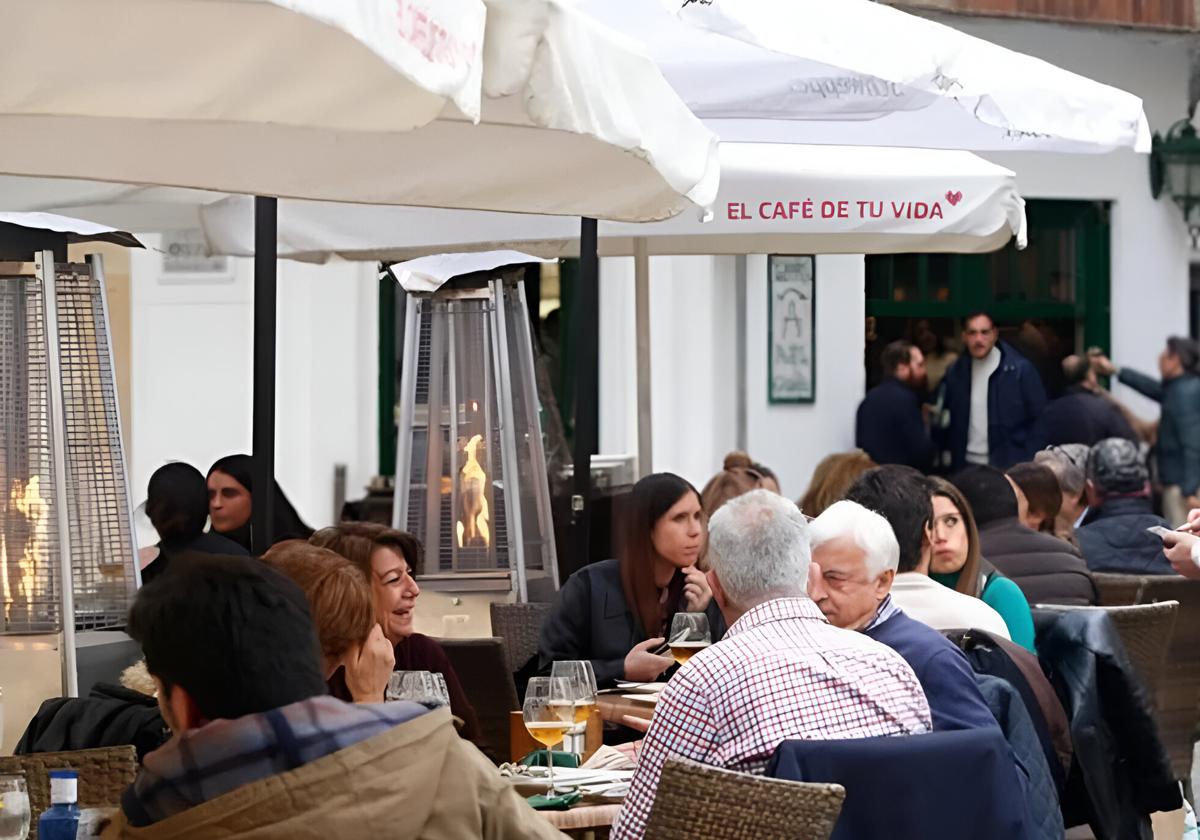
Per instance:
{"type": "Point", "coordinates": [777, 609]}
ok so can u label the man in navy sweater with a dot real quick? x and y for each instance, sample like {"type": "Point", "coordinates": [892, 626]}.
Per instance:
{"type": "Point", "coordinates": [890, 426]}
{"type": "Point", "coordinates": [858, 556]}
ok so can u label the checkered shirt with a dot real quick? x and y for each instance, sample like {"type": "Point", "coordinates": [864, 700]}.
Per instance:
{"type": "Point", "coordinates": [782, 671]}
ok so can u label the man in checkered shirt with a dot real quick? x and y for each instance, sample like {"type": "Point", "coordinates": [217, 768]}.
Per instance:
{"type": "Point", "coordinates": [782, 671]}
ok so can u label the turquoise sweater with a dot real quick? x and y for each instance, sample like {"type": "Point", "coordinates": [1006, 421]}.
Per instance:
{"type": "Point", "coordinates": [1006, 598]}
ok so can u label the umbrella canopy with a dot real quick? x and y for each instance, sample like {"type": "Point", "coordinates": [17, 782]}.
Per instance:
{"type": "Point", "coordinates": [773, 197]}
{"type": "Point", "coordinates": [71, 231]}
{"type": "Point", "coordinates": [857, 72]}
{"type": "Point", "coordinates": [371, 101]}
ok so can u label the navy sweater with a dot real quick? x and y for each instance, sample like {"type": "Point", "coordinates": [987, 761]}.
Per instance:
{"type": "Point", "coordinates": [943, 670]}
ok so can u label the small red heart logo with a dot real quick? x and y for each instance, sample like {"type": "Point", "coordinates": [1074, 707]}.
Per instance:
{"type": "Point", "coordinates": [954, 197]}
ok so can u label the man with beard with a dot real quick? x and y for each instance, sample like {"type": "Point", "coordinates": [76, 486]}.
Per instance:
{"type": "Point", "coordinates": [890, 426]}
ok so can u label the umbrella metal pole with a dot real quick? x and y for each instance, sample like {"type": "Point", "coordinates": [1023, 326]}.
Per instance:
{"type": "Point", "coordinates": [266, 225]}
{"type": "Point", "coordinates": [645, 420]}
{"type": "Point", "coordinates": [587, 388]}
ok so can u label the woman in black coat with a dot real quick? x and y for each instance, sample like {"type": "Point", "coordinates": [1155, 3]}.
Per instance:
{"type": "Point", "coordinates": [616, 612]}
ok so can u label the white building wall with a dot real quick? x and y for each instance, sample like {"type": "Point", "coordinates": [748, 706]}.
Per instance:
{"type": "Point", "coordinates": [191, 372]}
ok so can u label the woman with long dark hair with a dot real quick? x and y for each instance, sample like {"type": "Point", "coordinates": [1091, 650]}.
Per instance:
{"type": "Point", "coordinates": [958, 563]}
{"type": "Point", "coordinates": [230, 492]}
{"type": "Point", "coordinates": [617, 612]}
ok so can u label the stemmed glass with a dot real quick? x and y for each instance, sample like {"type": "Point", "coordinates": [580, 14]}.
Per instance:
{"type": "Point", "coordinates": [14, 808]}
{"type": "Point", "coordinates": [689, 634]}
{"type": "Point", "coordinates": [419, 686]}
{"type": "Point", "coordinates": [549, 711]}
{"type": "Point", "coordinates": [581, 682]}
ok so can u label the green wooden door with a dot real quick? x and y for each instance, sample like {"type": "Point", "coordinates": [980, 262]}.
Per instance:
{"type": "Point", "coordinates": [1059, 284]}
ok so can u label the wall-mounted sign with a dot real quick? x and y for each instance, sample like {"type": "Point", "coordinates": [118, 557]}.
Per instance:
{"type": "Point", "coordinates": [791, 335]}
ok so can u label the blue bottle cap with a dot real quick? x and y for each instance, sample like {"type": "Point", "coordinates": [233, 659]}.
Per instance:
{"type": "Point", "coordinates": [64, 774]}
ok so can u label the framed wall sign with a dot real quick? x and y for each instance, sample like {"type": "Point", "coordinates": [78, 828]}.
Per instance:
{"type": "Point", "coordinates": [791, 329]}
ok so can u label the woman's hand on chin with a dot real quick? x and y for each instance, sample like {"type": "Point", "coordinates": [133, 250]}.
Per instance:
{"type": "Point", "coordinates": [369, 667]}
{"type": "Point", "coordinates": [696, 592]}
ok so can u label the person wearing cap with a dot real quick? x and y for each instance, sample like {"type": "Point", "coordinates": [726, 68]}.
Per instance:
{"type": "Point", "coordinates": [1113, 536]}
{"type": "Point", "coordinates": [1178, 446]}
{"type": "Point", "coordinates": [259, 749]}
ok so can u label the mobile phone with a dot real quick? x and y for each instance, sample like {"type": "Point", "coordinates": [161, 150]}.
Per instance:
{"type": "Point", "coordinates": [662, 650]}
{"type": "Point", "coordinates": [1159, 531]}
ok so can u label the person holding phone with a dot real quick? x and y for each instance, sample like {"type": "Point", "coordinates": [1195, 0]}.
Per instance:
{"type": "Point", "coordinates": [615, 613]}
{"type": "Point", "coordinates": [1182, 546]}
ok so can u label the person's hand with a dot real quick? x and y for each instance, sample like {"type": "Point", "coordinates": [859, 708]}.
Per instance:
{"type": "Point", "coordinates": [1193, 502]}
{"type": "Point", "coordinates": [1193, 520]}
{"type": "Point", "coordinates": [1102, 364]}
{"type": "Point", "coordinates": [641, 724]}
{"type": "Point", "coordinates": [643, 666]}
{"type": "Point", "coordinates": [369, 666]}
{"type": "Point", "coordinates": [1178, 548]}
{"type": "Point", "coordinates": [696, 592]}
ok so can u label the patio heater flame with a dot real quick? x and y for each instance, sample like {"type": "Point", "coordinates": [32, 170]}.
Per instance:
{"type": "Point", "coordinates": [473, 492]}
{"type": "Point", "coordinates": [30, 504]}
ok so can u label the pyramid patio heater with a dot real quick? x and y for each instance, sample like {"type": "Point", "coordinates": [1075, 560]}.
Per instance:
{"type": "Point", "coordinates": [67, 560]}
{"type": "Point", "coordinates": [471, 479]}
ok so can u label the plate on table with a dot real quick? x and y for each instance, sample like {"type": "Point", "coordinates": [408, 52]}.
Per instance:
{"type": "Point", "coordinates": [641, 698]}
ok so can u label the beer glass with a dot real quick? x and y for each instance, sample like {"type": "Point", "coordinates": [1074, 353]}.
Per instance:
{"type": "Point", "coordinates": [689, 634]}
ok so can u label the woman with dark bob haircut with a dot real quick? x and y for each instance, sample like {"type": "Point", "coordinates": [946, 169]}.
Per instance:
{"type": "Point", "coordinates": [617, 612]}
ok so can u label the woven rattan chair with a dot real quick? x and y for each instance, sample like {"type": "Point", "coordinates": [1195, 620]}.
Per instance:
{"type": "Point", "coordinates": [1118, 590]}
{"type": "Point", "coordinates": [104, 774]}
{"type": "Point", "coordinates": [518, 625]}
{"type": "Point", "coordinates": [1178, 696]}
{"type": "Point", "coordinates": [696, 801]}
{"type": "Point", "coordinates": [1146, 631]}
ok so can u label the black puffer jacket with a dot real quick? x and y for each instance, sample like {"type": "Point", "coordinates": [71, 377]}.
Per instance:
{"type": "Point", "coordinates": [1113, 538]}
{"type": "Point", "coordinates": [1048, 570]}
{"type": "Point", "coordinates": [111, 716]}
{"type": "Point", "coordinates": [1121, 772]}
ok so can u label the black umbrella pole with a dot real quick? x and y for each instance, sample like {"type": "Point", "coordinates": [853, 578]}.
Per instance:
{"type": "Point", "coordinates": [587, 391]}
{"type": "Point", "coordinates": [266, 224]}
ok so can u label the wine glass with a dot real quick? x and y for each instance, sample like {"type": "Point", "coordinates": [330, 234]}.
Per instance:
{"type": "Point", "coordinates": [417, 686]}
{"type": "Point", "coordinates": [14, 808]}
{"type": "Point", "coordinates": [581, 681]}
{"type": "Point", "coordinates": [549, 711]}
{"type": "Point", "coordinates": [689, 634]}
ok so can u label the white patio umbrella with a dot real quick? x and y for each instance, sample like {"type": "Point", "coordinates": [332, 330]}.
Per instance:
{"type": "Point", "coordinates": [513, 105]}
{"type": "Point", "coordinates": [857, 72]}
{"type": "Point", "coordinates": [375, 101]}
{"type": "Point", "coordinates": [773, 198]}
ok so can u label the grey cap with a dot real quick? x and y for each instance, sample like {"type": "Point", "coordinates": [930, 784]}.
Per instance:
{"type": "Point", "coordinates": [1115, 465]}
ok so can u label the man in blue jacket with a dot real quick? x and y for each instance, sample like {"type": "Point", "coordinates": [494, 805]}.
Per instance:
{"type": "Point", "coordinates": [992, 402]}
{"type": "Point", "coordinates": [890, 426]}
{"type": "Point", "coordinates": [1178, 447]}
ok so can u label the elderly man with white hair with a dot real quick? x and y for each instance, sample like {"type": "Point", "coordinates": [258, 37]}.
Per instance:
{"type": "Point", "coordinates": [781, 671]}
{"type": "Point", "coordinates": [857, 553]}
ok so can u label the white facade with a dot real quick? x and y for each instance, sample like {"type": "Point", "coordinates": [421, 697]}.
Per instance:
{"type": "Point", "coordinates": [191, 374]}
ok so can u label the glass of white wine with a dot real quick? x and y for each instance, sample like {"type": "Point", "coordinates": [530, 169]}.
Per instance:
{"type": "Point", "coordinates": [549, 712]}
{"type": "Point", "coordinates": [689, 634]}
{"type": "Point", "coordinates": [581, 680]}
{"type": "Point", "coordinates": [14, 808]}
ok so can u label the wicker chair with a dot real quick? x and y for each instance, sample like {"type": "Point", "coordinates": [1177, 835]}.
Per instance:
{"type": "Point", "coordinates": [519, 626]}
{"type": "Point", "coordinates": [697, 801]}
{"type": "Point", "coordinates": [1146, 631]}
{"type": "Point", "coordinates": [1178, 697]}
{"type": "Point", "coordinates": [1118, 590]}
{"type": "Point", "coordinates": [104, 774]}
{"type": "Point", "coordinates": [482, 669]}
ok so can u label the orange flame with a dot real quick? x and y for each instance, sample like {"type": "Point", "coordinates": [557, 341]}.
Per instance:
{"type": "Point", "coordinates": [473, 493]}
{"type": "Point", "coordinates": [29, 502]}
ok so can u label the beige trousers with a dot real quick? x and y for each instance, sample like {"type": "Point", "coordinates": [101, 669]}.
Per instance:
{"type": "Point", "coordinates": [1175, 509]}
